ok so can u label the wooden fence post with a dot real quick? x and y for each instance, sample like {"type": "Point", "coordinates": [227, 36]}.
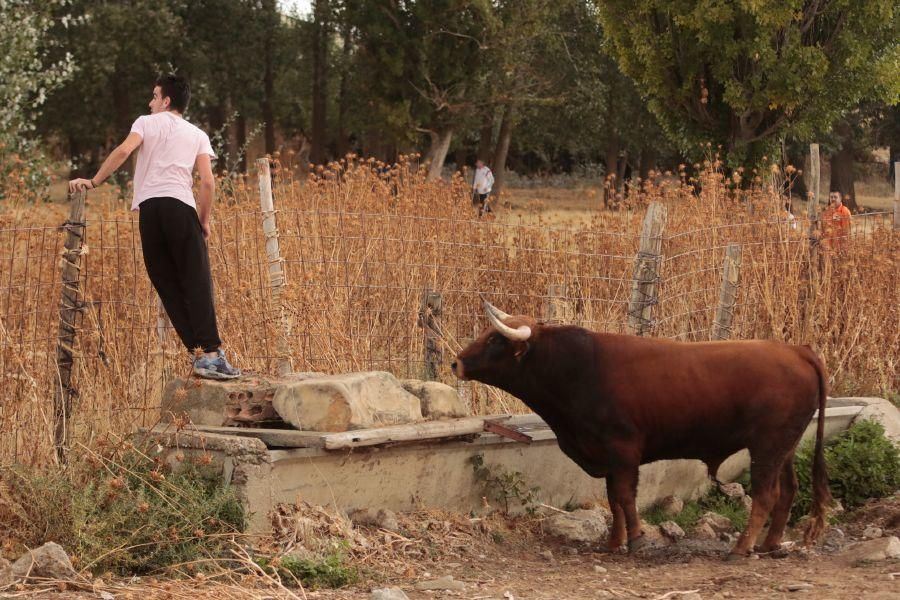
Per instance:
{"type": "Point", "coordinates": [69, 307]}
{"type": "Point", "coordinates": [646, 270]}
{"type": "Point", "coordinates": [429, 314]}
{"type": "Point", "coordinates": [276, 265]}
{"type": "Point", "coordinates": [731, 272]}
{"type": "Point", "coordinates": [812, 210]}
{"type": "Point", "coordinates": [557, 307]}
{"type": "Point", "coordinates": [897, 195]}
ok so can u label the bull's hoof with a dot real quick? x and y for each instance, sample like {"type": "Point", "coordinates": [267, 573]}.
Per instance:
{"type": "Point", "coordinates": [778, 551]}
{"type": "Point", "coordinates": [736, 556]}
{"type": "Point", "coordinates": [639, 543]}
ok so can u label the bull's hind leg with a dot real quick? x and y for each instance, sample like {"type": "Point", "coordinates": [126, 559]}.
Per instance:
{"type": "Point", "coordinates": [763, 480]}
{"type": "Point", "coordinates": [787, 489]}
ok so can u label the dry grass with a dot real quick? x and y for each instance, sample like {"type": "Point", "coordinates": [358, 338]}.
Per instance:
{"type": "Point", "coordinates": [361, 242]}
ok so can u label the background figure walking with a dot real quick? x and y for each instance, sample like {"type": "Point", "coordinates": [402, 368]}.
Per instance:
{"type": "Point", "coordinates": [481, 187]}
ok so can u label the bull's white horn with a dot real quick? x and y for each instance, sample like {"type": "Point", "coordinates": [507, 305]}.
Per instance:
{"type": "Point", "coordinates": [519, 334]}
{"type": "Point", "coordinates": [493, 309]}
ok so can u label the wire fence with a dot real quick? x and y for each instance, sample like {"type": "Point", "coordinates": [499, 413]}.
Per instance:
{"type": "Point", "coordinates": [357, 290]}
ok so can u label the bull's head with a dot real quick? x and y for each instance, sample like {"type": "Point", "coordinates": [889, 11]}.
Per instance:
{"type": "Point", "coordinates": [499, 350]}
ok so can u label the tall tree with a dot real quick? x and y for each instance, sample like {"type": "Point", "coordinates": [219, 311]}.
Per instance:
{"type": "Point", "coordinates": [744, 73]}
{"type": "Point", "coordinates": [321, 38]}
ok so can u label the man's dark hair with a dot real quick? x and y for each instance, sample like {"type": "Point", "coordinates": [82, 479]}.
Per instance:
{"type": "Point", "coordinates": [177, 89]}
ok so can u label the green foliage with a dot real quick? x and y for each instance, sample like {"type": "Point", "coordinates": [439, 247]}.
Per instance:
{"type": "Point", "coordinates": [744, 73]}
{"type": "Point", "coordinates": [502, 486]}
{"type": "Point", "coordinates": [123, 512]}
{"type": "Point", "coordinates": [326, 572]}
{"type": "Point", "coordinates": [862, 463]}
{"type": "Point", "coordinates": [714, 501]}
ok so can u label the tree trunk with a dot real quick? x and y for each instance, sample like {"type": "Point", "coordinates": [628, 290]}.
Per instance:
{"type": "Point", "coordinates": [440, 145]}
{"type": "Point", "coordinates": [486, 138]}
{"type": "Point", "coordinates": [268, 104]}
{"type": "Point", "coordinates": [216, 125]}
{"type": "Point", "coordinates": [240, 136]}
{"type": "Point", "coordinates": [842, 162]}
{"type": "Point", "coordinates": [320, 80]}
{"type": "Point", "coordinates": [612, 170]}
{"type": "Point", "coordinates": [343, 141]}
{"type": "Point", "coordinates": [500, 154]}
{"type": "Point", "coordinates": [647, 163]}
{"type": "Point", "coordinates": [123, 114]}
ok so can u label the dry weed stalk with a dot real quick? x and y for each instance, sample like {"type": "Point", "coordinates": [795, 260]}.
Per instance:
{"type": "Point", "coordinates": [363, 240]}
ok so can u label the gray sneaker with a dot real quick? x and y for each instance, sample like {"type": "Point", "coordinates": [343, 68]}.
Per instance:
{"type": "Point", "coordinates": [215, 368]}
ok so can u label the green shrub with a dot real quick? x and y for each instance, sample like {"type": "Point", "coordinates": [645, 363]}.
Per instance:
{"type": "Point", "coordinates": [862, 464]}
{"type": "Point", "coordinates": [328, 571]}
{"type": "Point", "coordinates": [123, 511]}
{"type": "Point", "coordinates": [502, 486]}
{"type": "Point", "coordinates": [714, 501]}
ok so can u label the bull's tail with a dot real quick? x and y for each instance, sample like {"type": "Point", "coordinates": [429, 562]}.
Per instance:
{"type": "Point", "coordinates": [821, 491]}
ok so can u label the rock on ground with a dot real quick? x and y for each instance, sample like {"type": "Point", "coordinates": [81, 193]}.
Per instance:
{"type": "Point", "coordinates": [871, 532]}
{"type": "Point", "coordinates": [6, 575]}
{"type": "Point", "coordinates": [732, 490]}
{"type": "Point", "coordinates": [718, 523]}
{"type": "Point", "coordinates": [704, 531]}
{"type": "Point", "coordinates": [671, 530]}
{"type": "Point", "coordinates": [873, 550]}
{"type": "Point", "coordinates": [582, 526]}
{"type": "Point", "coordinates": [346, 402]}
{"type": "Point", "coordinates": [671, 505]}
{"type": "Point", "coordinates": [49, 561]}
{"type": "Point", "coordinates": [439, 400]}
{"type": "Point", "coordinates": [442, 583]}
{"type": "Point", "coordinates": [392, 593]}
{"type": "Point", "coordinates": [382, 518]}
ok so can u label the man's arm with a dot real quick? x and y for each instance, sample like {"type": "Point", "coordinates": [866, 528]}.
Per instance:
{"type": "Point", "coordinates": [207, 190]}
{"type": "Point", "coordinates": [109, 166]}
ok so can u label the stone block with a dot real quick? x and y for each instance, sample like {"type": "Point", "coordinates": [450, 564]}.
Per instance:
{"type": "Point", "coordinates": [346, 402]}
{"type": "Point", "coordinates": [438, 400]}
{"type": "Point", "coordinates": [244, 401]}
{"type": "Point", "coordinates": [872, 550]}
{"type": "Point", "coordinates": [49, 561]}
{"type": "Point", "coordinates": [583, 526]}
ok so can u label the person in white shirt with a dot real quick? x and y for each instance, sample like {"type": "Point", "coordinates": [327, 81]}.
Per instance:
{"type": "Point", "coordinates": [482, 184]}
{"type": "Point", "coordinates": [174, 227]}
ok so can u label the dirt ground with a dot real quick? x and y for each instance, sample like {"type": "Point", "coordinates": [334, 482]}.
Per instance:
{"type": "Point", "coordinates": [501, 558]}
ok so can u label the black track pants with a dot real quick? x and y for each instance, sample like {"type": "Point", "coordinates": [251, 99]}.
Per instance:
{"type": "Point", "coordinates": [177, 262]}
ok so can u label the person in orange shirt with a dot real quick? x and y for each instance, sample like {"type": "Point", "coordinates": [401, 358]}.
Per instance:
{"type": "Point", "coordinates": [836, 223]}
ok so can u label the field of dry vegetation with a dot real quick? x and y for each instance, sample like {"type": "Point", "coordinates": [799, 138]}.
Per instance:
{"type": "Point", "coordinates": [361, 242]}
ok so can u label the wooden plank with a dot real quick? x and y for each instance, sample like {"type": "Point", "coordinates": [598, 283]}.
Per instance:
{"type": "Point", "coordinates": [404, 433]}
{"type": "Point", "coordinates": [280, 438]}
{"type": "Point", "coordinates": [507, 432]}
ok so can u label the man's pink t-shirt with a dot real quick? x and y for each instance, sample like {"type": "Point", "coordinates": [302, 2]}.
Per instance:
{"type": "Point", "coordinates": [166, 157]}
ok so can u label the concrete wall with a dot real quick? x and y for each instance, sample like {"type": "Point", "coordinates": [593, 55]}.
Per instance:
{"type": "Point", "coordinates": [437, 474]}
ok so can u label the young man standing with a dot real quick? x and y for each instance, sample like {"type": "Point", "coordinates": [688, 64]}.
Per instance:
{"type": "Point", "coordinates": [174, 227]}
{"type": "Point", "coordinates": [481, 187]}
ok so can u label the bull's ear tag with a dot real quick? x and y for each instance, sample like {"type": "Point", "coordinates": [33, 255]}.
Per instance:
{"type": "Point", "coordinates": [524, 347]}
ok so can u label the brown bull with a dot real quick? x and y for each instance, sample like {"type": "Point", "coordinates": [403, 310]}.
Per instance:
{"type": "Point", "coordinates": [616, 402]}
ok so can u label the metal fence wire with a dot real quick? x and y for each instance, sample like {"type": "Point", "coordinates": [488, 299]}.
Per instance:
{"type": "Point", "coordinates": [359, 292]}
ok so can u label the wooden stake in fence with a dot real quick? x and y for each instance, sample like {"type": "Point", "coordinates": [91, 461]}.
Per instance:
{"type": "Point", "coordinates": [812, 210]}
{"type": "Point", "coordinates": [731, 272]}
{"type": "Point", "coordinates": [276, 265]}
{"type": "Point", "coordinates": [897, 195]}
{"type": "Point", "coordinates": [69, 307]}
{"type": "Point", "coordinates": [646, 270]}
{"type": "Point", "coordinates": [429, 315]}
{"type": "Point", "coordinates": [557, 307]}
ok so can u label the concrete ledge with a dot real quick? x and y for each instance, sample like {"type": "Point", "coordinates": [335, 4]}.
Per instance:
{"type": "Point", "coordinates": [435, 473]}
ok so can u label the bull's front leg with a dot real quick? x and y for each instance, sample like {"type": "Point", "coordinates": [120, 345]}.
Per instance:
{"type": "Point", "coordinates": [617, 536]}
{"type": "Point", "coordinates": [624, 493]}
